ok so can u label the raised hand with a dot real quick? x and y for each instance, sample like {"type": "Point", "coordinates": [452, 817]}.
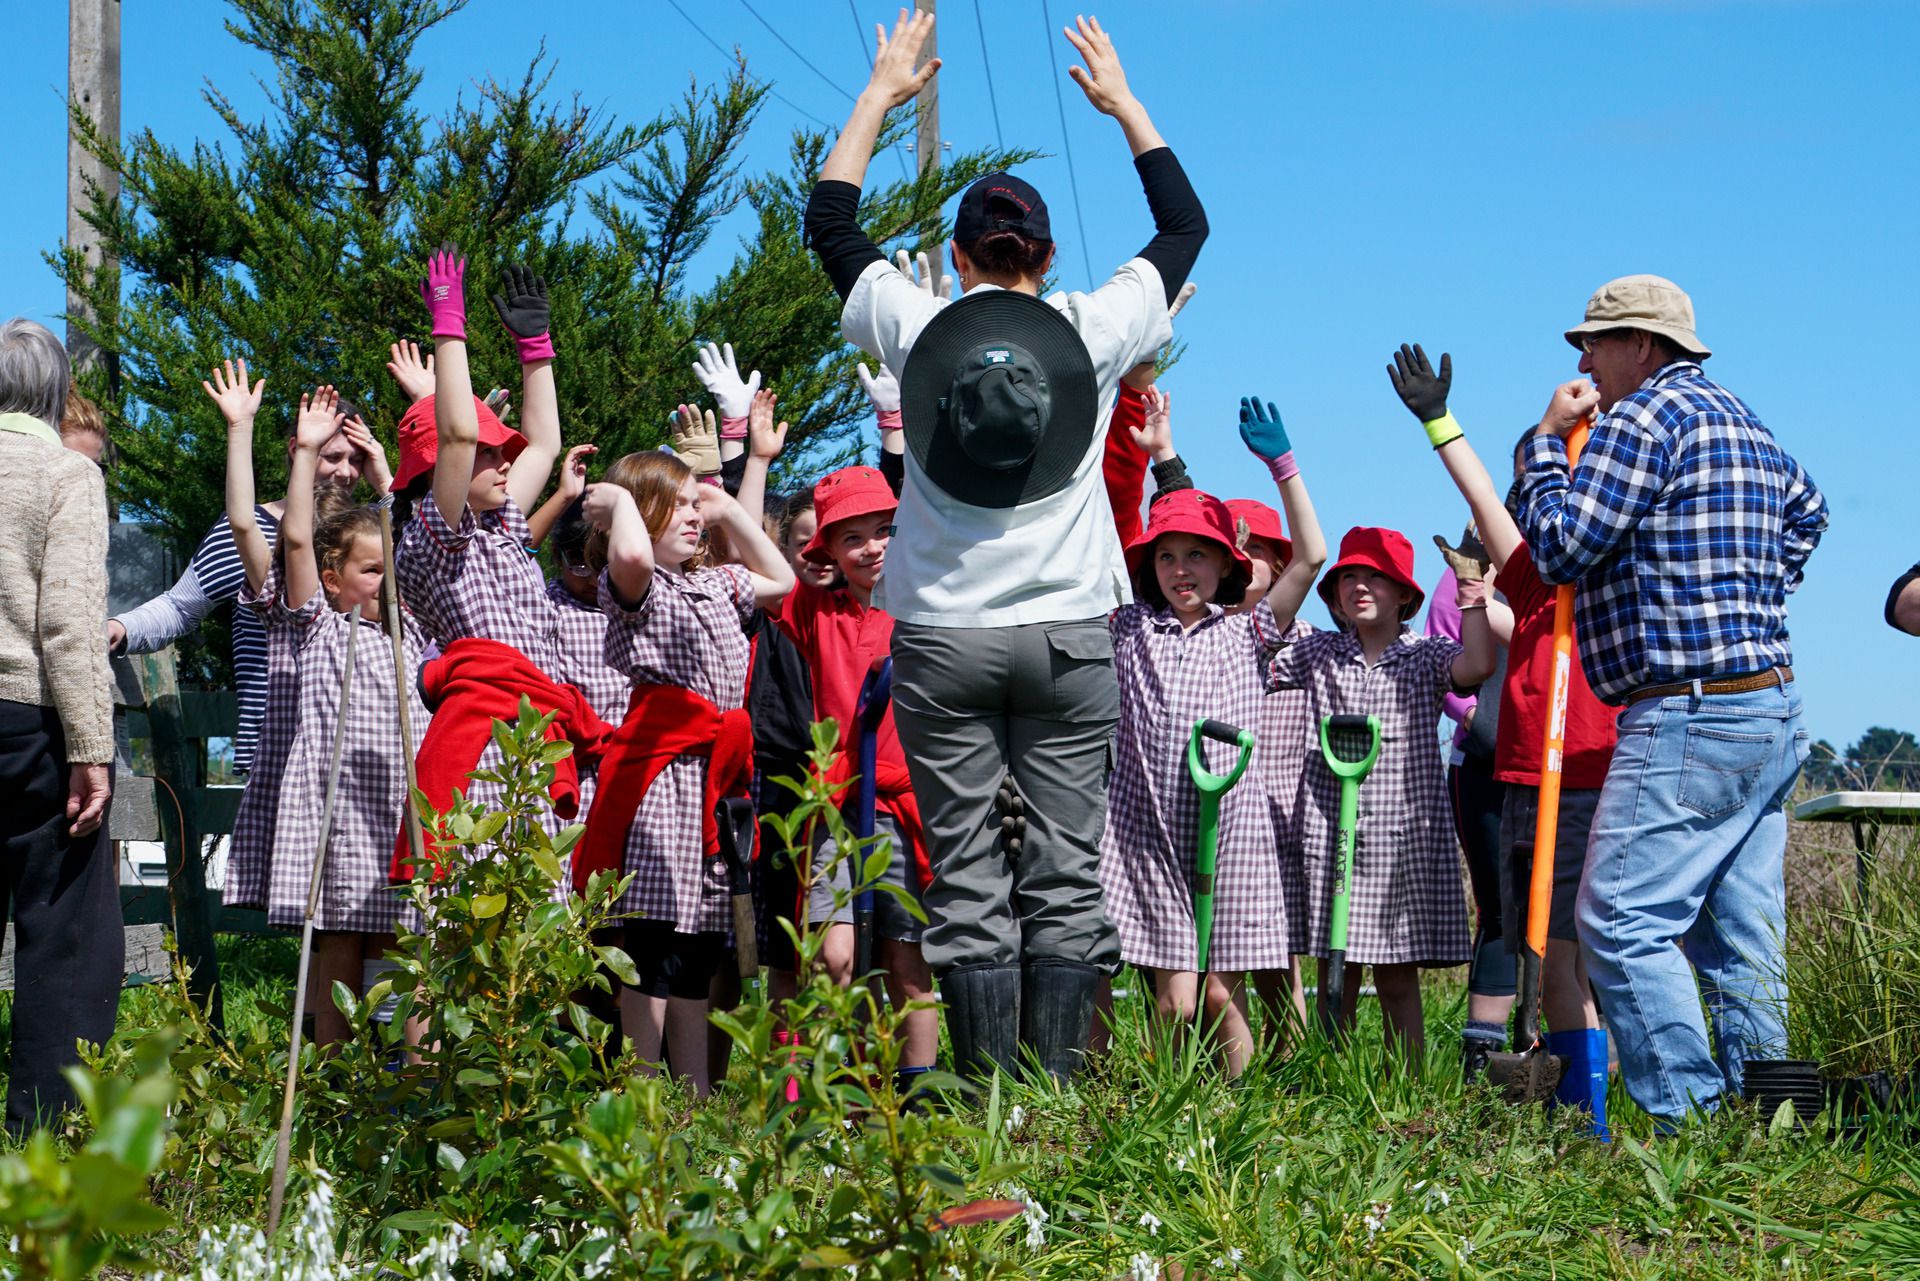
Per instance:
{"type": "Point", "coordinates": [522, 307]}
{"type": "Point", "coordinates": [883, 389]}
{"type": "Point", "coordinates": [500, 401]}
{"type": "Point", "coordinates": [229, 391]}
{"type": "Point", "coordinates": [719, 373]}
{"type": "Point", "coordinates": [1103, 80]}
{"type": "Point", "coordinates": [1421, 390]}
{"type": "Point", "coordinates": [444, 292]}
{"type": "Point", "coordinates": [929, 276]}
{"type": "Point", "coordinates": [573, 471]}
{"type": "Point", "coordinates": [414, 375]}
{"type": "Point", "coordinates": [1181, 299]}
{"type": "Point", "coordinates": [895, 79]}
{"type": "Point", "coordinates": [765, 440]}
{"type": "Point", "coordinates": [372, 455]}
{"type": "Point", "coordinates": [601, 503]}
{"type": "Point", "coordinates": [1469, 561]}
{"type": "Point", "coordinates": [696, 440]}
{"type": "Point", "coordinates": [318, 420]}
{"type": "Point", "coordinates": [1155, 436]}
{"type": "Point", "coordinates": [1262, 429]}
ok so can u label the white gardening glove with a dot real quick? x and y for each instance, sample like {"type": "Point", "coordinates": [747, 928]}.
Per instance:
{"type": "Point", "coordinates": [883, 389]}
{"type": "Point", "coordinates": [1181, 299]}
{"type": "Point", "coordinates": [936, 283]}
{"type": "Point", "coordinates": [720, 375]}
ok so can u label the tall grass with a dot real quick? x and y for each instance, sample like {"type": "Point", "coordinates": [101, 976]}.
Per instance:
{"type": "Point", "coordinates": [1853, 969]}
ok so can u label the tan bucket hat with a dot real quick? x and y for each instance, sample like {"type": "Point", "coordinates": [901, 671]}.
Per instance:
{"type": "Point", "coordinates": [1652, 303]}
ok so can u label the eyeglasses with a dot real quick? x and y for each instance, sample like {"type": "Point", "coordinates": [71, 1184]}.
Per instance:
{"type": "Point", "coordinates": [1588, 341]}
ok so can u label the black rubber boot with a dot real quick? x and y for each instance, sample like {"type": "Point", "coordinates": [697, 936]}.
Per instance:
{"type": "Point", "coordinates": [1056, 1014]}
{"type": "Point", "coordinates": [982, 1003]}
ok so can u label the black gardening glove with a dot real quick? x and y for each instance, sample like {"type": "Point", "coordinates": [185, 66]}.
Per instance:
{"type": "Point", "coordinates": [1422, 391]}
{"type": "Point", "coordinates": [523, 310]}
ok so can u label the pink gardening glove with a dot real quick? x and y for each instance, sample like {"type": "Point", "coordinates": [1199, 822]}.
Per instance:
{"type": "Point", "coordinates": [444, 291]}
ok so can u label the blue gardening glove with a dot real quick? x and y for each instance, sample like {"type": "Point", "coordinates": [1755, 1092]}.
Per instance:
{"type": "Point", "coordinates": [1262, 429]}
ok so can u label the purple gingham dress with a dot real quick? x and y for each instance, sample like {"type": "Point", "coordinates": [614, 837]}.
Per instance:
{"type": "Point", "coordinates": [687, 631]}
{"type": "Point", "coordinates": [479, 581]}
{"type": "Point", "coordinates": [1170, 678]}
{"type": "Point", "coordinates": [1287, 736]}
{"type": "Point", "coordinates": [251, 848]}
{"type": "Point", "coordinates": [356, 894]}
{"type": "Point", "coordinates": [1408, 903]}
{"type": "Point", "coordinates": [583, 644]}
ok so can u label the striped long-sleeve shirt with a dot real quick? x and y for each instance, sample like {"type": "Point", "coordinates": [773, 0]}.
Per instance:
{"type": "Point", "coordinates": [213, 578]}
{"type": "Point", "coordinates": [1685, 526]}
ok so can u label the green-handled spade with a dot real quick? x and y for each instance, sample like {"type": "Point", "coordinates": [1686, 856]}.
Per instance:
{"type": "Point", "coordinates": [1350, 745]}
{"type": "Point", "coordinates": [1211, 787]}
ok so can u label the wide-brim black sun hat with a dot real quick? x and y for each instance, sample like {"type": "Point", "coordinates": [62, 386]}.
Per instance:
{"type": "Point", "coordinates": [999, 399]}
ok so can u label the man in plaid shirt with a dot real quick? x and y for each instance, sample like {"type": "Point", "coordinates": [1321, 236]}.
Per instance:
{"type": "Point", "coordinates": [1685, 526]}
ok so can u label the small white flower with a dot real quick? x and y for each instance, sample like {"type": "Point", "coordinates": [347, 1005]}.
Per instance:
{"type": "Point", "coordinates": [1466, 1247]}
{"type": "Point", "coordinates": [1015, 1119]}
{"type": "Point", "coordinates": [1151, 1223]}
{"type": "Point", "coordinates": [1143, 1267]}
{"type": "Point", "coordinates": [828, 1169]}
{"type": "Point", "coordinates": [1376, 1217]}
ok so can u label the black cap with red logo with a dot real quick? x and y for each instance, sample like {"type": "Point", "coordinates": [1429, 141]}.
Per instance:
{"type": "Point", "coordinates": [1001, 202]}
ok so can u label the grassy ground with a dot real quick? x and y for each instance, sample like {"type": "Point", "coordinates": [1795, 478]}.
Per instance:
{"type": "Point", "coordinates": [1330, 1165]}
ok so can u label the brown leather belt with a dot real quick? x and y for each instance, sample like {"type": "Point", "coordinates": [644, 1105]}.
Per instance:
{"type": "Point", "coordinates": [1769, 679]}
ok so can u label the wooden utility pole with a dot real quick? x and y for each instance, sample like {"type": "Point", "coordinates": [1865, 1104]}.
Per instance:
{"type": "Point", "coordinates": [93, 86]}
{"type": "Point", "coordinates": [926, 140]}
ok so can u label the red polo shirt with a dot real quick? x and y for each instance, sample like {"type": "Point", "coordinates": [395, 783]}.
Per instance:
{"type": "Point", "coordinates": [841, 639]}
{"type": "Point", "coordinates": [1523, 699]}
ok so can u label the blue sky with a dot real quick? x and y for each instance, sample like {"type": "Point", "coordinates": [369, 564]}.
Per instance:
{"type": "Point", "coordinates": [1460, 172]}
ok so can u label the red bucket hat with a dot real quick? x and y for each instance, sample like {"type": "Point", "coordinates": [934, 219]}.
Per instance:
{"type": "Point", "coordinates": [420, 439]}
{"type": "Point", "coordinates": [1188, 511]}
{"type": "Point", "coordinates": [1384, 550]}
{"type": "Point", "coordinates": [1263, 522]}
{"type": "Point", "coordinates": [844, 495]}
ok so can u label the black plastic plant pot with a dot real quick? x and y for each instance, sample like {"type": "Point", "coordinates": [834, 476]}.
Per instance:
{"type": "Point", "coordinates": [1770, 1083]}
{"type": "Point", "coordinates": [1853, 1098]}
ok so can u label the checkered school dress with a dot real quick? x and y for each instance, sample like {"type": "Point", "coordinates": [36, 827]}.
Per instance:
{"type": "Point", "coordinates": [1170, 678]}
{"type": "Point", "coordinates": [356, 894]}
{"type": "Point", "coordinates": [583, 645]}
{"type": "Point", "coordinates": [480, 581]}
{"type": "Point", "coordinates": [687, 631]}
{"type": "Point", "coordinates": [1408, 899]}
{"type": "Point", "coordinates": [1288, 735]}
{"type": "Point", "coordinates": [251, 848]}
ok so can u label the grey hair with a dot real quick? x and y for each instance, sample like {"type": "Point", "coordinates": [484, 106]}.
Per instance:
{"type": "Point", "coordinates": [33, 371]}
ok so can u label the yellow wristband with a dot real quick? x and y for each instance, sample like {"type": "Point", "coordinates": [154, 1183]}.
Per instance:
{"type": "Point", "coordinates": [1443, 429]}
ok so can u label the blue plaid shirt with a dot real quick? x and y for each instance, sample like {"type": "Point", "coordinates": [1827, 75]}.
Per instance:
{"type": "Point", "coordinates": [1685, 526]}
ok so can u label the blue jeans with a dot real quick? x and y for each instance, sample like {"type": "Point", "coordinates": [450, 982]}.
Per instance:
{"type": "Point", "coordinates": [1682, 902]}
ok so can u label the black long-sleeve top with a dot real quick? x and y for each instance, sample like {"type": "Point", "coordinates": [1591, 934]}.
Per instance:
{"type": "Point", "coordinates": [1179, 225]}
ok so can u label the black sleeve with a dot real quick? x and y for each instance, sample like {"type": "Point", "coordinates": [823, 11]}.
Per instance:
{"type": "Point", "coordinates": [1179, 223]}
{"type": "Point", "coordinates": [1169, 477]}
{"type": "Point", "coordinates": [894, 467]}
{"type": "Point", "coordinates": [1900, 585]}
{"type": "Point", "coordinates": [732, 472]}
{"type": "Point", "coordinates": [833, 232]}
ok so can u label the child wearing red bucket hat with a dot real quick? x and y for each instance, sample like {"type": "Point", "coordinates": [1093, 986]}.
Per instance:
{"type": "Point", "coordinates": [1408, 906]}
{"type": "Point", "coordinates": [1181, 657]}
{"type": "Point", "coordinates": [842, 637]}
{"type": "Point", "coordinates": [464, 482]}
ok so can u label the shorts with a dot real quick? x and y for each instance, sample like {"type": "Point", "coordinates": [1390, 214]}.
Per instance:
{"type": "Point", "coordinates": [891, 919]}
{"type": "Point", "coordinates": [1517, 819]}
{"type": "Point", "coordinates": [671, 963]}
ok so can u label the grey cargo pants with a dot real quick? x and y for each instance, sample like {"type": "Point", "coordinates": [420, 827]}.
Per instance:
{"type": "Point", "coordinates": [1038, 701]}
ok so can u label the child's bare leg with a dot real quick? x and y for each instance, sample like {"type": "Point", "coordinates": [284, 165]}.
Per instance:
{"type": "Point", "coordinates": [1100, 1039]}
{"type": "Point", "coordinates": [686, 1036]}
{"type": "Point", "coordinates": [1566, 999]}
{"type": "Point", "coordinates": [722, 994]}
{"type": "Point", "coordinates": [1283, 999]}
{"type": "Point", "coordinates": [644, 1019]}
{"type": "Point", "coordinates": [1349, 996]}
{"type": "Point", "coordinates": [1227, 1014]}
{"type": "Point", "coordinates": [336, 959]}
{"type": "Point", "coordinates": [836, 953]}
{"type": "Point", "coordinates": [909, 980]}
{"type": "Point", "coordinates": [1399, 988]}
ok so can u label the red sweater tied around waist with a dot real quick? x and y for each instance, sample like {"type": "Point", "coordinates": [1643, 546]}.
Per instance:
{"type": "Point", "coordinates": [471, 685]}
{"type": "Point", "coordinates": [663, 722]}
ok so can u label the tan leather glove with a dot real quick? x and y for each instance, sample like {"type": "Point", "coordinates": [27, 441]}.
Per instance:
{"type": "Point", "coordinates": [1469, 561]}
{"type": "Point", "coordinates": [696, 441]}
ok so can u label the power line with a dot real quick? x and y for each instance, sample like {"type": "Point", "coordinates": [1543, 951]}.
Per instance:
{"type": "Point", "coordinates": [735, 60]}
{"type": "Point", "coordinates": [988, 63]}
{"type": "Point", "coordinates": [1073, 181]}
{"type": "Point", "coordinates": [835, 85]}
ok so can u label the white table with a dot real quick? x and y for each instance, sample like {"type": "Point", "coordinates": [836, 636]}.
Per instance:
{"type": "Point", "coordinates": [1866, 813]}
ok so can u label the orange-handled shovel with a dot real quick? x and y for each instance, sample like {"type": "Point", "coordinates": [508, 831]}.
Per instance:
{"type": "Point", "coordinates": [1530, 1076]}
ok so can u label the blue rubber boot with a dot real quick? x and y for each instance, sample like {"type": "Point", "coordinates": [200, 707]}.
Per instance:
{"type": "Point", "coordinates": [1584, 1083]}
